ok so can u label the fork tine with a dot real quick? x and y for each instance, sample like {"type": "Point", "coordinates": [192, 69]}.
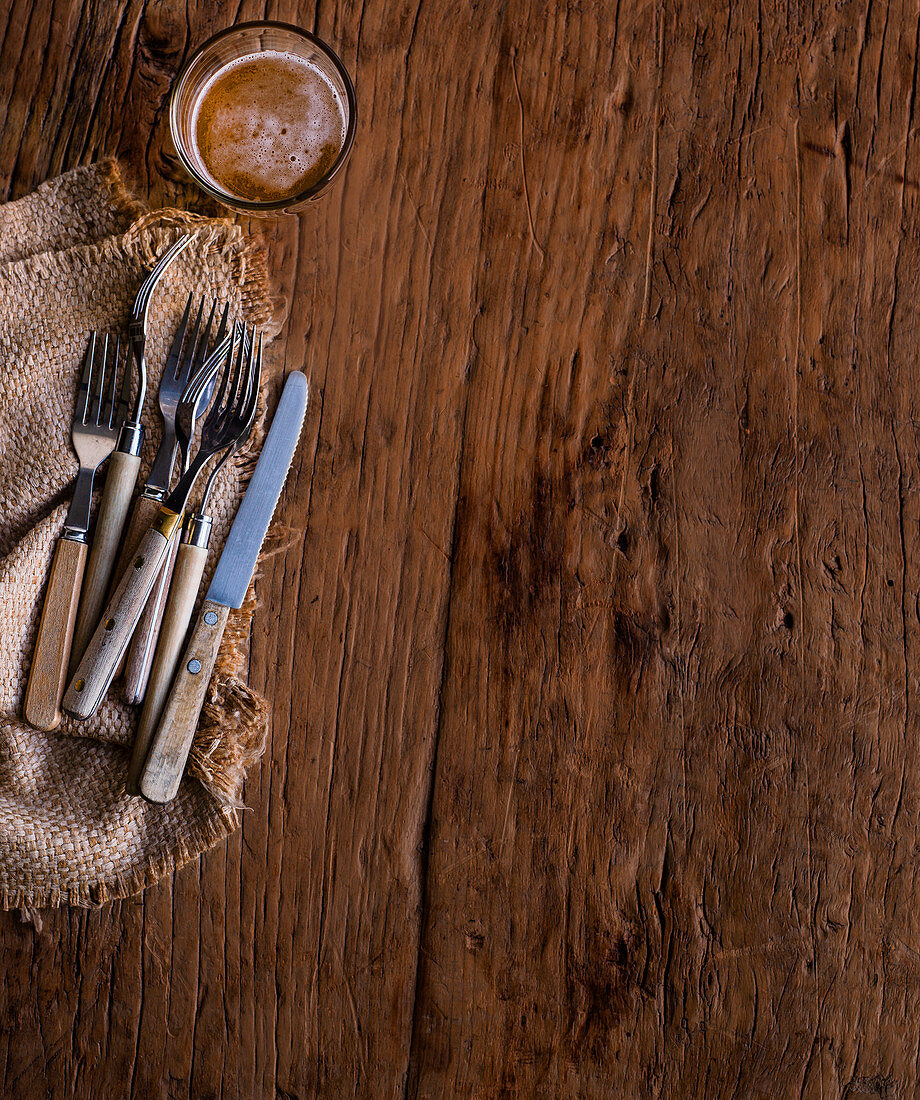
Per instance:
{"type": "Point", "coordinates": [222, 328]}
{"type": "Point", "coordinates": [124, 396]}
{"type": "Point", "coordinates": [191, 348]}
{"type": "Point", "coordinates": [98, 387]}
{"type": "Point", "coordinates": [255, 382]}
{"type": "Point", "coordinates": [200, 350]}
{"type": "Point", "coordinates": [253, 364]}
{"type": "Point", "coordinates": [86, 377]}
{"type": "Point", "coordinates": [206, 372]}
{"type": "Point", "coordinates": [246, 414]}
{"type": "Point", "coordinates": [234, 388]}
{"type": "Point", "coordinates": [242, 394]}
{"type": "Point", "coordinates": [143, 295]}
{"type": "Point", "coordinates": [175, 352]}
{"type": "Point", "coordinates": [224, 379]}
{"type": "Point", "coordinates": [109, 409]}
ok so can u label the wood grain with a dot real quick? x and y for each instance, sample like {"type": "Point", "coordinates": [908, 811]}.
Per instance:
{"type": "Point", "coordinates": [144, 511]}
{"type": "Point", "coordinates": [183, 593]}
{"type": "Point", "coordinates": [593, 766]}
{"type": "Point", "coordinates": [109, 642]}
{"type": "Point", "coordinates": [106, 543]}
{"type": "Point", "coordinates": [165, 762]}
{"type": "Point", "coordinates": [143, 642]}
{"type": "Point", "coordinates": [48, 670]}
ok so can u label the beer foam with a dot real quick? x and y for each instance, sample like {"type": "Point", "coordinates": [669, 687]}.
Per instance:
{"type": "Point", "coordinates": [268, 126]}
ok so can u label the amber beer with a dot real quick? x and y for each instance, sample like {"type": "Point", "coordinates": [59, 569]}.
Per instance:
{"type": "Point", "coordinates": [268, 126]}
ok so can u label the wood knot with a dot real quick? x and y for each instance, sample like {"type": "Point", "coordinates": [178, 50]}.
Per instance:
{"type": "Point", "coordinates": [474, 941]}
{"type": "Point", "coordinates": [160, 40]}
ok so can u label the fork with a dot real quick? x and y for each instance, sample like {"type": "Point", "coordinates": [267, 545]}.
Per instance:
{"type": "Point", "coordinates": [184, 359]}
{"type": "Point", "coordinates": [190, 562]}
{"type": "Point", "coordinates": [95, 430]}
{"type": "Point", "coordinates": [230, 415]}
{"type": "Point", "coordinates": [125, 462]}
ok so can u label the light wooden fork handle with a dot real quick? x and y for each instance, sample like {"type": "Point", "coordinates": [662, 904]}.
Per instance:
{"type": "Point", "coordinates": [108, 644]}
{"type": "Point", "coordinates": [140, 652]}
{"type": "Point", "coordinates": [173, 739]}
{"type": "Point", "coordinates": [142, 516]}
{"type": "Point", "coordinates": [113, 511]}
{"type": "Point", "coordinates": [48, 671]}
{"type": "Point", "coordinates": [183, 592]}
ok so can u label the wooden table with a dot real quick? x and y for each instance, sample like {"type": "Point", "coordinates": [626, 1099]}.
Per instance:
{"type": "Point", "coordinates": [594, 768]}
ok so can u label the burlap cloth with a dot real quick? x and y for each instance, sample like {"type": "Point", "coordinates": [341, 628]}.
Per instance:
{"type": "Point", "coordinates": [72, 256]}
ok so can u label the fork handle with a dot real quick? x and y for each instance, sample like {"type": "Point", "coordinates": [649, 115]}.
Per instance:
{"type": "Point", "coordinates": [183, 592]}
{"type": "Point", "coordinates": [176, 730]}
{"type": "Point", "coordinates": [48, 671]}
{"type": "Point", "coordinates": [113, 510]}
{"type": "Point", "coordinates": [142, 516]}
{"type": "Point", "coordinates": [144, 640]}
{"type": "Point", "coordinates": [108, 644]}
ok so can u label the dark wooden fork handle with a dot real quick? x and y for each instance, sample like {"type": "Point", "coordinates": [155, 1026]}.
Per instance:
{"type": "Point", "coordinates": [48, 671]}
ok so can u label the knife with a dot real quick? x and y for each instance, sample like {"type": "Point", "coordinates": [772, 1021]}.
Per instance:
{"type": "Point", "coordinates": [172, 741]}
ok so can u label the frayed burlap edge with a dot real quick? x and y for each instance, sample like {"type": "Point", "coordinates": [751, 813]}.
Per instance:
{"type": "Point", "coordinates": [123, 885]}
{"type": "Point", "coordinates": [122, 200]}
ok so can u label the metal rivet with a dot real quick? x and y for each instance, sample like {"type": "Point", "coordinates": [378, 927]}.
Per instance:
{"type": "Point", "coordinates": [194, 666]}
{"type": "Point", "coordinates": [210, 617]}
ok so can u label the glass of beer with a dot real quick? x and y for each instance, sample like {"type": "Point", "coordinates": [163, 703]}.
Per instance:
{"type": "Point", "coordinates": [263, 117]}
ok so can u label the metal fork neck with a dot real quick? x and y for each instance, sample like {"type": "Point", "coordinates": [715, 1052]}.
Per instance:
{"type": "Point", "coordinates": [77, 522]}
{"type": "Point", "coordinates": [161, 471]}
{"type": "Point", "coordinates": [138, 341]}
{"type": "Point", "coordinates": [178, 498]}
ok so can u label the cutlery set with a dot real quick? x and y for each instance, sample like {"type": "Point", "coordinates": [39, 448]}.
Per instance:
{"type": "Point", "coordinates": [130, 604]}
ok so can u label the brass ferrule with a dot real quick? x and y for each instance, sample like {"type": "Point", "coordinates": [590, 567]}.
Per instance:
{"type": "Point", "coordinates": [166, 522]}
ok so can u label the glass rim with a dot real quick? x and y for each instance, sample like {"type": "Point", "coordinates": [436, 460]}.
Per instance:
{"type": "Point", "coordinates": [350, 126]}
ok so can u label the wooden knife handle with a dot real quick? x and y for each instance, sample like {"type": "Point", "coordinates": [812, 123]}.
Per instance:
{"type": "Point", "coordinates": [116, 498]}
{"type": "Point", "coordinates": [97, 667]}
{"type": "Point", "coordinates": [167, 756]}
{"type": "Point", "coordinates": [183, 592]}
{"type": "Point", "coordinates": [48, 671]}
{"type": "Point", "coordinates": [142, 516]}
{"type": "Point", "coordinates": [144, 640]}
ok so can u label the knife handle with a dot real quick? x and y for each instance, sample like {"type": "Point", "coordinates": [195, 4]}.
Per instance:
{"type": "Point", "coordinates": [142, 516]}
{"type": "Point", "coordinates": [173, 739]}
{"type": "Point", "coordinates": [48, 671]}
{"type": "Point", "coordinates": [100, 661]}
{"type": "Point", "coordinates": [183, 592]}
{"type": "Point", "coordinates": [144, 639]}
{"type": "Point", "coordinates": [113, 510]}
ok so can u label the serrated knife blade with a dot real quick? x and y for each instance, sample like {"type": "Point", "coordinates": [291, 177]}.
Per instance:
{"type": "Point", "coordinates": [238, 560]}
